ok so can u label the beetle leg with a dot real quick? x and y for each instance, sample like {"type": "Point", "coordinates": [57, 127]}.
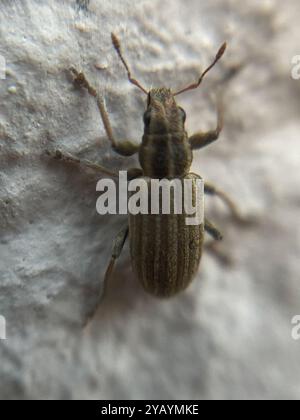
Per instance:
{"type": "Point", "coordinates": [202, 139]}
{"type": "Point", "coordinates": [212, 230]}
{"type": "Point", "coordinates": [67, 157]}
{"type": "Point", "coordinates": [223, 257]}
{"type": "Point", "coordinates": [118, 245]}
{"type": "Point", "coordinates": [210, 189]}
{"type": "Point", "coordinates": [125, 148]}
{"type": "Point", "coordinates": [132, 173]}
{"type": "Point", "coordinates": [212, 246]}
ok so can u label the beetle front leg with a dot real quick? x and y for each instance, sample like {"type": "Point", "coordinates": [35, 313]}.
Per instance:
{"type": "Point", "coordinates": [202, 139]}
{"type": "Point", "coordinates": [132, 173]}
{"type": "Point", "coordinates": [126, 148]}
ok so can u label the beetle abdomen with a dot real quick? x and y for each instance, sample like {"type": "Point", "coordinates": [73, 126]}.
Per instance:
{"type": "Point", "coordinates": [165, 251]}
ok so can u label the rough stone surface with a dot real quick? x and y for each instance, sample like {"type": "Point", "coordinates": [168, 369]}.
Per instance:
{"type": "Point", "coordinates": [229, 334]}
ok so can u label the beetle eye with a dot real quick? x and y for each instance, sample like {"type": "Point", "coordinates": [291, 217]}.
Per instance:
{"type": "Point", "coordinates": [183, 113]}
{"type": "Point", "coordinates": [147, 117]}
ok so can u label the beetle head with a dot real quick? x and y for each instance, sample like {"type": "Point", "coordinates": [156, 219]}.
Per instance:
{"type": "Point", "coordinates": [163, 114]}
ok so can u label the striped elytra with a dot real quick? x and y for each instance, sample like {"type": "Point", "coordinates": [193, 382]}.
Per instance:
{"type": "Point", "coordinates": [165, 251]}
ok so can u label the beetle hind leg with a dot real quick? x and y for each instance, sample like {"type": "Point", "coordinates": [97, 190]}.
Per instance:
{"type": "Point", "coordinates": [117, 248]}
{"type": "Point", "coordinates": [212, 246]}
{"type": "Point", "coordinates": [68, 158]}
{"type": "Point", "coordinates": [223, 257]}
{"type": "Point", "coordinates": [210, 189]}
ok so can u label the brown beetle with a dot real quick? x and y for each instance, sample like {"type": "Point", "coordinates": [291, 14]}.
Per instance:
{"type": "Point", "coordinates": [165, 252]}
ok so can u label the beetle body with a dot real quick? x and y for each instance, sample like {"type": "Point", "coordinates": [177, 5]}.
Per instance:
{"type": "Point", "coordinates": [165, 251]}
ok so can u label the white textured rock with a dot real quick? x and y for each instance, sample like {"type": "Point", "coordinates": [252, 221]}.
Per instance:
{"type": "Point", "coordinates": [229, 334]}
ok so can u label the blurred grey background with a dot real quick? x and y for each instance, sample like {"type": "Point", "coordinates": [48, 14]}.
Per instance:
{"type": "Point", "coordinates": [229, 335]}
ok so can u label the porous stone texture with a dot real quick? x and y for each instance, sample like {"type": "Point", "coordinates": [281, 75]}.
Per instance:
{"type": "Point", "coordinates": [229, 335]}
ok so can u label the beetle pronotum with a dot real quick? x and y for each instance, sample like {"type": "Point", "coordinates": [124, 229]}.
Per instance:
{"type": "Point", "coordinates": [165, 252]}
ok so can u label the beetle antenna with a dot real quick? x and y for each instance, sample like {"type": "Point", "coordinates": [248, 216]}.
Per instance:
{"type": "Point", "coordinates": [195, 85]}
{"type": "Point", "coordinates": [117, 46]}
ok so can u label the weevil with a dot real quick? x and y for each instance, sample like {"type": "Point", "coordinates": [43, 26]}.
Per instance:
{"type": "Point", "coordinates": [165, 252]}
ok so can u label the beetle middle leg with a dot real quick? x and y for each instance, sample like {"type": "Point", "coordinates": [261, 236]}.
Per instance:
{"type": "Point", "coordinates": [132, 173]}
{"type": "Point", "coordinates": [212, 246]}
{"type": "Point", "coordinates": [68, 158]}
{"type": "Point", "coordinates": [124, 148]}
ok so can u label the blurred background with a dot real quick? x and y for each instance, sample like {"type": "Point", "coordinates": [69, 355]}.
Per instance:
{"type": "Point", "coordinates": [230, 334]}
